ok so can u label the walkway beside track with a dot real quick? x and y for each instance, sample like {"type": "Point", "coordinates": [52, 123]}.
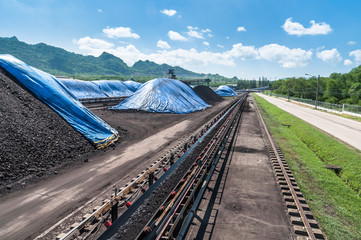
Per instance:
{"type": "Point", "coordinates": [347, 130]}
{"type": "Point", "coordinates": [246, 202]}
{"type": "Point", "coordinates": [37, 205]}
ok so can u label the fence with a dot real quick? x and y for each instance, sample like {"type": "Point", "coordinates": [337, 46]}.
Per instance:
{"type": "Point", "coordinates": [354, 110]}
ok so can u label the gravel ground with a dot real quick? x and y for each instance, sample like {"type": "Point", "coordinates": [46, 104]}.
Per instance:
{"type": "Point", "coordinates": [36, 143]}
{"type": "Point", "coordinates": [38, 146]}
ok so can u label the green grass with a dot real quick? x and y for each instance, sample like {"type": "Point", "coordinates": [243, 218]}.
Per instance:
{"type": "Point", "coordinates": [335, 200]}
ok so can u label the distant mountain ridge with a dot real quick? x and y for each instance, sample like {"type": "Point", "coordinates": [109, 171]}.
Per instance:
{"type": "Point", "coordinates": [58, 61]}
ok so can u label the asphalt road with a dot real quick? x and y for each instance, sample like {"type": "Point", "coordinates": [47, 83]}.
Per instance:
{"type": "Point", "coordinates": [346, 130]}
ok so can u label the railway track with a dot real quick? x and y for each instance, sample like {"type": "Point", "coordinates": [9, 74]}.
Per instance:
{"type": "Point", "coordinates": [183, 186]}
{"type": "Point", "coordinates": [174, 217]}
{"type": "Point", "coordinates": [101, 103]}
{"type": "Point", "coordinates": [171, 218]}
{"type": "Point", "coordinates": [302, 219]}
{"type": "Point", "coordinates": [127, 198]}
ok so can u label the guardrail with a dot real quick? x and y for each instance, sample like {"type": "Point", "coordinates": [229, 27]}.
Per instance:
{"type": "Point", "coordinates": [353, 110]}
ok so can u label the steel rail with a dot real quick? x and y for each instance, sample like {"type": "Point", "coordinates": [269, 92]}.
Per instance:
{"type": "Point", "coordinates": [289, 183]}
{"type": "Point", "coordinates": [198, 182]}
{"type": "Point", "coordinates": [195, 187]}
{"type": "Point", "coordinates": [124, 217]}
{"type": "Point", "coordinates": [193, 183]}
{"type": "Point", "coordinates": [188, 177]}
{"type": "Point", "coordinates": [189, 218]}
{"type": "Point", "coordinates": [98, 100]}
{"type": "Point", "coordinates": [208, 174]}
{"type": "Point", "coordinates": [155, 168]}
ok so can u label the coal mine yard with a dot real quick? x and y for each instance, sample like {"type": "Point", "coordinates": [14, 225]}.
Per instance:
{"type": "Point", "coordinates": [210, 174]}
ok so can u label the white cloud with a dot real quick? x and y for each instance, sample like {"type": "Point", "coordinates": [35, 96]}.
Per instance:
{"type": "Point", "coordinates": [210, 35]}
{"type": "Point", "coordinates": [163, 44]}
{"type": "Point", "coordinates": [288, 58]}
{"type": "Point", "coordinates": [169, 12]}
{"type": "Point", "coordinates": [347, 62]}
{"type": "Point", "coordinates": [241, 29]}
{"type": "Point", "coordinates": [195, 34]}
{"type": "Point", "coordinates": [357, 55]}
{"type": "Point", "coordinates": [192, 32]}
{"type": "Point", "coordinates": [206, 30]}
{"type": "Point", "coordinates": [124, 42]}
{"type": "Point", "coordinates": [92, 45]}
{"type": "Point", "coordinates": [206, 43]}
{"type": "Point", "coordinates": [120, 32]}
{"type": "Point", "coordinates": [192, 28]}
{"type": "Point", "coordinates": [191, 58]}
{"type": "Point", "coordinates": [130, 54]}
{"type": "Point", "coordinates": [295, 28]}
{"type": "Point", "coordinates": [176, 36]}
{"type": "Point", "coordinates": [330, 56]}
{"type": "Point", "coordinates": [220, 46]}
{"type": "Point", "coordinates": [351, 43]}
{"type": "Point", "coordinates": [227, 37]}
{"type": "Point", "coordinates": [243, 52]}
{"type": "Point", "coordinates": [100, 11]}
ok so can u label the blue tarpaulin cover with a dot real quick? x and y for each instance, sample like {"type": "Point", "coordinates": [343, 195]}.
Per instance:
{"type": "Point", "coordinates": [132, 85]}
{"type": "Point", "coordinates": [113, 88]}
{"type": "Point", "coordinates": [83, 89]}
{"type": "Point", "coordinates": [53, 93]}
{"type": "Point", "coordinates": [165, 96]}
{"type": "Point", "coordinates": [225, 91]}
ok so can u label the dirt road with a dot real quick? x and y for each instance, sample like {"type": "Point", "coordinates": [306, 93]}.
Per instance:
{"type": "Point", "coordinates": [25, 214]}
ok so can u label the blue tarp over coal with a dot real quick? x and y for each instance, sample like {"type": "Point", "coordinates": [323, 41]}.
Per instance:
{"type": "Point", "coordinates": [164, 95]}
{"type": "Point", "coordinates": [53, 93]}
{"type": "Point", "coordinates": [113, 88]}
{"type": "Point", "coordinates": [225, 91]}
{"type": "Point", "coordinates": [132, 85]}
{"type": "Point", "coordinates": [83, 89]}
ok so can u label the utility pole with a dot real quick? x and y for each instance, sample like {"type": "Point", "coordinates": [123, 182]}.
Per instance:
{"type": "Point", "coordinates": [288, 91]}
{"type": "Point", "coordinates": [318, 84]}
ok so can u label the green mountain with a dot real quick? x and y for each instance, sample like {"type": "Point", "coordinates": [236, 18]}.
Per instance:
{"type": "Point", "coordinates": [58, 61]}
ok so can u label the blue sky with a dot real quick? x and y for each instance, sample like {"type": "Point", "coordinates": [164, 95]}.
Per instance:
{"type": "Point", "coordinates": [243, 38]}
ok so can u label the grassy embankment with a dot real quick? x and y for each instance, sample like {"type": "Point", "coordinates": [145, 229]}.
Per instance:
{"type": "Point", "coordinates": [335, 200]}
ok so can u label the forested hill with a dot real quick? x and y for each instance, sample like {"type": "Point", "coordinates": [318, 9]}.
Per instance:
{"type": "Point", "coordinates": [58, 61]}
{"type": "Point", "coordinates": [337, 88]}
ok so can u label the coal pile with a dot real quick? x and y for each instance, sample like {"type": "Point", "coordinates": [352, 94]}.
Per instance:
{"type": "Point", "coordinates": [208, 95]}
{"type": "Point", "coordinates": [35, 141]}
{"type": "Point", "coordinates": [225, 91]}
{"type": "Point", "coordinates": [163, 95]}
